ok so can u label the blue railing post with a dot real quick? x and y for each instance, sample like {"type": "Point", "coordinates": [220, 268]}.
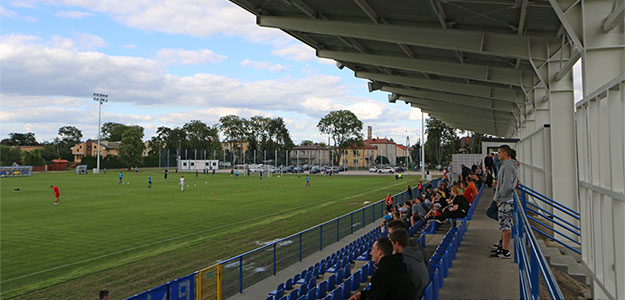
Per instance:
{"type": "Point", "coordinates": [372, 213]}
{"type": "Point", "coordinates": [300, 246]}
{"type": "Point", "coordinates": [363, 218]}
{"type": "Point", "coordinates": [241, 274]}
{"type": "Point", "coordinates": [338, 235]}
{"type": "Point", "coordinates": [351, 223]}
{"type": "Point", "coordinates": [274, 259]}
{"type": "Point", "coordinates": [534, 276]}
{"type": "Point", "coordinates": [321, 237]}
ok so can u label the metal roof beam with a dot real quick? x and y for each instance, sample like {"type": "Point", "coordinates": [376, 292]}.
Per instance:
{"type": "Point", "coordinates": [500, 75]}
{"type": "Point", "coordinates": [497, 93]}
{"type": "Point", "coordinates": [453, 121]}
{"type": "Point", "coordinates": [482, 103]}
{"type": "Point", "coordinates": [615, 17]}
{"type": "Point", "coordinates": [464, 110]}
{"type": "Point", "coordinates": [496, 44]}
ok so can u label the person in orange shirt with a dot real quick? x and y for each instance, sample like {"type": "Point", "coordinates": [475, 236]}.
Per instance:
{"type": "Point", "coordinates": [472, 186]}
{"type": "Point", "coordinates": [468, 192]}
{"type": "Point", "coordinates": [389, 202]}
{"type": "Point", "coordinates": [57, 193]}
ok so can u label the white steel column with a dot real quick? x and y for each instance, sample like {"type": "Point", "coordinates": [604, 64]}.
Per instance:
{"type": "Point", "coordinates": [563, 152]}
{"type": "Point", "coordinates": [601, 134]}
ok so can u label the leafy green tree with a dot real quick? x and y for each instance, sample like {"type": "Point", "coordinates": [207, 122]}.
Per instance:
{"type": "Point", "coordinates": [9, 155]}
{"type": "Point", "coordinates": [32, 158]}
{"type": "Point", "coordinates": [20, 139]}
{"type": "Point", "coordinates": [49, 152]}
{"type": "Point", "coordinates": [159, 141]}
{"type": "Point", "coordinates": [131, 147]}
{"type": "Point", "coordinates": [201, 136]}
{"type": "Point", "coordinates": [415, 153]}
{"type": "Point", "coordinates": [112, 131]}
{"type": "Point", "coordinates": [343, 127]}
{"type": "Point", "coordinates": [68, 137]}
{"type": "Point", "coordinates": [475, 143]}
{"type": "Point", "coordinates": [442, 141]}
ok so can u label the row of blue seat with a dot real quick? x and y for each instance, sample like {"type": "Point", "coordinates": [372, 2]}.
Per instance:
{"type": "Point", "coordinates": [340, 283]}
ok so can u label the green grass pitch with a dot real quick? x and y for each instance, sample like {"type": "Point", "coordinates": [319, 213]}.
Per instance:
{"type": "Point", "coordinates": [128, 238]}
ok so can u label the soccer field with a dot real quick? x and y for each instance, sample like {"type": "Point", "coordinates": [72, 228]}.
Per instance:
{"type": "Point", "coordinates": [127, 238]}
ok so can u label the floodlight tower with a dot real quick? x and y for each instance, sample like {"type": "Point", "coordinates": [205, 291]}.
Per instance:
{"type": "Point", "coordinates": [100, 98]}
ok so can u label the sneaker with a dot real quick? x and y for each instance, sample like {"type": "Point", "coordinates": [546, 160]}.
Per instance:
{"type": "Point", "coordinates": [503, 254]}
{"type": "Point", "coordinates": [495, 246]}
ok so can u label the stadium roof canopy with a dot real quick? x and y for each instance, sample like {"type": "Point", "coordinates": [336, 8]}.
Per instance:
{"type": "Point", "coordinates": [480, 65]}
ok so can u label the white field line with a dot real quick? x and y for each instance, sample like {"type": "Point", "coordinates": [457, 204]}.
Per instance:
{"type": "Point", "coordinates": [187, 235]}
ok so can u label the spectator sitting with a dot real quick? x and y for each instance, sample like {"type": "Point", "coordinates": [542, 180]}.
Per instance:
{"type": "Point", "coordinates": [418, 210]}
{"type": "Point", "coordinates": [390, 280]}
{"type": "Point", "coordinates": [413, 258]}
{"type": "Point", "coordinates": [404, 211]}
{"type": "Point", "coordinates": [488, 178]}
{"type": "Point", "coordinates": [434, 212]}
{"type": "Point", "coordinates": [468, 193]}
{"type": "Point", "coordinates": [457, 209]}
{"type": "Point", "coordinates": [471, 184]}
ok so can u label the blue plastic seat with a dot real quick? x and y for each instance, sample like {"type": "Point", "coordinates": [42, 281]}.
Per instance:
{"type": "Point", "coordinates": [304, 279]}
{"type": "Point", "coordinates": [322, 289]}
{"type": "Point", "coordinates": [356, 281]}
{"type": "Point", "coordinates": [339, 276]}
{"type": "Point", "coordinates": [337, 294]}
{"type": "Point", "coordinates": [269, 298]}
{"type": "Point", "coordinates": [331, 282]}
{"type": "Point", "coordinates": [312, 294]}
{"type": "Point", "coordinates": [364, 272]}
{"type": "Point", "coordinates": [296, 278]}
{"type": "Point", "coordinates": [347, 288]}
{"type": "Point", "coordinates": [302, 298]}
{"type": "Point", "coordinates": [288, 284]}
{"type": "Point", "coordinates": [283, 298]}
{"type": "Point", "coordinates": [347, 271]}
{"type": "Point", "coordinates": [294, 295]}
{"type": "Point", "coordinates": [312, 284]}
{"type": "Point", "coordinates": [303, 289]}
{"type": "Point", "coordinates": [371, 268]}
{"type": "Point", "coordinates": [278, 292]}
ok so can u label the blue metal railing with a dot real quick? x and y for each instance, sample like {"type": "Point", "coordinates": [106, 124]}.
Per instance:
{"type": "Point", "coordinates": [531, 261]}
{"type": "Point", "coordinates": [551, 218]}
{"type": "Point", "coordinates": [269, 256]}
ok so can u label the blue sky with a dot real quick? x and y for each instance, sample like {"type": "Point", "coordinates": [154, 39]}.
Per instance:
{"type": "Point", "coordinates": [164, 63]}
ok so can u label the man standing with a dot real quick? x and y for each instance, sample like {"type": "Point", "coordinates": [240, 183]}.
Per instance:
{"type": "Point", "coordinates": [165, 176]}
{"type": "Point", "coordinates": [149, 182]}
{"type": "Point", "coordinates": [390, 280]}
{"type": "Point", "coordinates": [307, 180]}
{"type": "Point", "coordinates": [182, 183]}
{"type": "Point", "coordinates": [504, 189]}
{"type": "Point", "coordinates": [120, 177]}
{"type": "Point", "coordinates": [57, 193]}
{"type": "Point", "coordinates": [389, 202]}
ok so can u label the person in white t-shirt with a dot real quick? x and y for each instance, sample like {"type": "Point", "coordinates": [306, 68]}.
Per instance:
{"type": "Point", "coordinates": [182, 183]}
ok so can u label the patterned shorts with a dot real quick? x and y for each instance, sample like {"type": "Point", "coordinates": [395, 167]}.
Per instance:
{"type": "Point", "coordinates": [504, 215]}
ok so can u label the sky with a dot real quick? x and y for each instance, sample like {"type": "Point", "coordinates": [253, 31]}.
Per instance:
{"type": "Point", "coordinates": [164, 63]}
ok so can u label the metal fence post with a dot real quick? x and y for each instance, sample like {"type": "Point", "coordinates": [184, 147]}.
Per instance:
{"type": "Point", "coordinates": [300, 246]}
{"type": "Point", "coordinates": [534, 276]}
{"type": "Point", "coordinates": [351, 223]}
{"type": "Point", "coordinates": [338, 235]}
{"type": "Point", "coordinates": [363, 218]}
{"type": "Point", "coordinates": [274, 259]}
{"type": "Point", "coordinates": [241, 274]}
{"type": "Point", "coordinates": [320, 237]}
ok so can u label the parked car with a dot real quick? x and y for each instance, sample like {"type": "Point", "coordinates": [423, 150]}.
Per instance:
{"type": "Point", "coordinates": [399, 169]}
{"type": "Point", "coordinates": [314, 170]}
{"type": "Point", "coordinates": [373, 169]}
{"type": "Point", "coordinates": [386, 170]}
{"type": "Point", "coordinates": [341, 169]}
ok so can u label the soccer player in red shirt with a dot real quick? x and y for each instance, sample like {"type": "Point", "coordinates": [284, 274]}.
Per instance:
{"type": "Point", "coordinates": [57, 193]}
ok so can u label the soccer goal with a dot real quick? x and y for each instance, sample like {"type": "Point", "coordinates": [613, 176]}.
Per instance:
{"type": "Point", "coordinates": [16, 171]}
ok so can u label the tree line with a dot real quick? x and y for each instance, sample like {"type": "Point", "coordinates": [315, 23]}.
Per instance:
{"type": "Point", "coordinates": [260, 133]}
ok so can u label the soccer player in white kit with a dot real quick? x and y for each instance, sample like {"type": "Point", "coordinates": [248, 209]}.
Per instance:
{"type": "Point", "coordinates": [182, 183]}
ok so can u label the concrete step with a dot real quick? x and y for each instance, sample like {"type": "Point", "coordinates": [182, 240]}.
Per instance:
{"type": "Point", "coordinates": [550, 253]}
{"type": "Point", "coordinates": [569, 265]}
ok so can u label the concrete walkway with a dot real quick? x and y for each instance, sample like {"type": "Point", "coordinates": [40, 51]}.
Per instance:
{"type": "Point", "coordinates": [260, 289]}
{"type": "Point", "coordinates": [474, 274]}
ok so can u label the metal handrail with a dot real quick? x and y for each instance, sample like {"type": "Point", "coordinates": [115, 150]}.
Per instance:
{"type": "Point", "coordinates": [550, 215]}
{"type": "Point", "coordinates": [546, 199]}
{"type": "Point", "coordinates": [532, 262]}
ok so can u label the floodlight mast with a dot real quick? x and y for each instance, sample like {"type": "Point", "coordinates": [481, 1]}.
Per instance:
{"type": "Point", "coordinates": [101, 99]}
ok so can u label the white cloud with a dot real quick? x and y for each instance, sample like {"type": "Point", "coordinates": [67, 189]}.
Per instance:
{"type": "Point", "coordinates": [296, 51]}
{"type": "Point", "coordinates": [262, 65]}
{"type": "Point", "coordinates": [7, 13]}
{"type": "Point", "coordinates": [73, 14]}
{"type": "Point", "coordinates": [86, 41]}
{"type": "Point", "coordinates": [188, 57]}
{"type": "Point", "coordinates": [195, 18]}
{"type": "Point", "coordinates": [130, 46]}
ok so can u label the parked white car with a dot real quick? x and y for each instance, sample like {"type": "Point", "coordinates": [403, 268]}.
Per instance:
{"type": "Point", "coordinates": [386, 170]}
{"type": "Point", "coordinates": [373, 169]}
